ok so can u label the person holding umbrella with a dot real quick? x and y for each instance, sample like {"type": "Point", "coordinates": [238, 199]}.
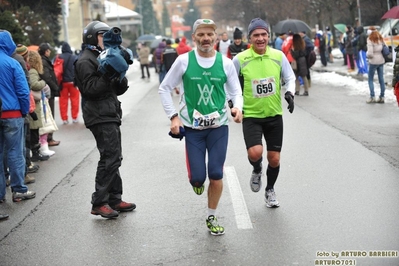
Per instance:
{"type": "Point", "coordinates": [341, 40]}
{"type": "Point", "coordinates": [144, 54]}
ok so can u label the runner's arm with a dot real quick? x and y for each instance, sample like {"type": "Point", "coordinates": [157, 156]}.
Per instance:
{"type": "Point", "coordinates": [288, 75]}
{"type": "Point", "coordinates": [172, 79]}
{"type": "Point", "coordinates": [233, 86]}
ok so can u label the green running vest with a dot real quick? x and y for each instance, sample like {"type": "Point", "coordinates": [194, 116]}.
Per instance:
{"type": "Point", "coordinates": [204, 94]}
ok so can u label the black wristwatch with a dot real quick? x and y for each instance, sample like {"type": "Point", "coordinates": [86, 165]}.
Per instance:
{"type": "Point", "coordinates": [174, 115]}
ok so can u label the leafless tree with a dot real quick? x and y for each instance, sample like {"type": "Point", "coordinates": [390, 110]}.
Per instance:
{"type": "Point", "coordinates": [313, 12]}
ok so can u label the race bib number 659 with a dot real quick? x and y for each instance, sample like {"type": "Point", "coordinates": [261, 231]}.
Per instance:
{"type": "Point", "coordinates": [263, 87]}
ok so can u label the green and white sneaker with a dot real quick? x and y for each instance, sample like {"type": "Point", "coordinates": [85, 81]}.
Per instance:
{"type": "Point", "coordinates": [199, 190]}
{"type": "Point", "coordinates": [214, 226]}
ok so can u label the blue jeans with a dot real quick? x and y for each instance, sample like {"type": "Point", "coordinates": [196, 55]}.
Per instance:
{"type": "Point", "coordinates": [12, 145]}
{"type": "Point", "coordinates": [380, 73]}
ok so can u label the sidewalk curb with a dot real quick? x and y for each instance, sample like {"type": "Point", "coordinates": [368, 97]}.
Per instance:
{"type": "Point", "coordinates": [342, 73]}
{"type": "Point", "coordinates": [342, 70]}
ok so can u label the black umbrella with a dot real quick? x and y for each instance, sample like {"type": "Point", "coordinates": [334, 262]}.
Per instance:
{"type": "Point", "coordinates": [291, 25]}
{"type": "Point", "coordinates": [155, 43]}
{"type": "Point", "coordinates": [146, 38]}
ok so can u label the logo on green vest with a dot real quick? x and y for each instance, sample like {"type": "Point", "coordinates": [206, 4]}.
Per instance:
{"type": "Point", "coordinates": [206, 94]}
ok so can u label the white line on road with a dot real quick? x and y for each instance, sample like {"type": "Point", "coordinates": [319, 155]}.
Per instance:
{"type": "Point", "coordinates": [240, 207]}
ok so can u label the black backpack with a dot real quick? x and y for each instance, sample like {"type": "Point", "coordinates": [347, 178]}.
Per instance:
{"type": "Point", "coordinates": [311, 59]}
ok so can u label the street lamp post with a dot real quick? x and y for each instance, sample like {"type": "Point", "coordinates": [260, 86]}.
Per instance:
{"type": "Point", "coordinates": [117, 13]}
{"type": "Point", "coordinates": [141, 14]}
{"type": "Point", "coordinates": [65, 14]}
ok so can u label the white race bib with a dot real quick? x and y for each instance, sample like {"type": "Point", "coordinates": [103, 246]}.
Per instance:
{"type": "Point", "coordinates": [263, 87]}
{"type": "Point", "coordinates": [201, 121]}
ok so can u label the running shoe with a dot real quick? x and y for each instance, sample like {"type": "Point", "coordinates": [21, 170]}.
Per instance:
{"type": "Point", "coordinates": [256, 182]}
{"type": "Point", "coordinates": [214, 226]}
{"type": "Point", "coordinates": [199, 190]}
{"type": "Point", "coordinates": [270, 199]}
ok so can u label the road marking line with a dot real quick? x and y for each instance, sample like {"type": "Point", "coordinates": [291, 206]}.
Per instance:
{"type": "Point", "coordinates": [240, 207]}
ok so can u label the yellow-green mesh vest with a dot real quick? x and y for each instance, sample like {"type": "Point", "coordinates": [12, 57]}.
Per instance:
{"type": "Point", "coordinates": [255, 66]}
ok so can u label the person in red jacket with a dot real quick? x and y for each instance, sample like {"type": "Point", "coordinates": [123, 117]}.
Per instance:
{"type": "Point", "coordinates": [286, 47]}
{"type": "Point", "coordinates": [183, 46]}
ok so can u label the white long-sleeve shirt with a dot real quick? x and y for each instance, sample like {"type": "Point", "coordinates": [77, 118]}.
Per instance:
{"type": "Point", "coordinates": [174, 78]}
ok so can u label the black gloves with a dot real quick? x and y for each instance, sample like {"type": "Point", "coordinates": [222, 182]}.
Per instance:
{"type": "Point", "coordinates": [34, 116]}
{"type": "Point", "coordinates": [290, 100]}
{"type": "Point", "coordinates": [126, 55]}
{"type": "Point", "coordinates": [181, 134]}
{"type": "Point", "coordinates": [119, 86]}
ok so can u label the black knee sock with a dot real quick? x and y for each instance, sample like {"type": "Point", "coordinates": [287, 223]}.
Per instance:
{"type": "Point", "coordinates": [257, 165]}
{"type": "Point", "coordinates": [272, 174]}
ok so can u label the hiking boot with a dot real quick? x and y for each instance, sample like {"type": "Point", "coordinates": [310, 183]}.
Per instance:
{"type": "Point", "coordinates": [105, 211]}
{"type": "Point", "coordinates": [305, 93]}
{"type": "Point", "coordinates": [53, 142]}
{"type": "Point", "coordinates": [124, 206]}
{"type": "Point", "coordinates": [370, 100]}
{"type": "Point", "coordinates": [380, 100]}
{"type": "Point", "coordinates": [297, 93]}
{"type": "Point", "coordinates": [37, 156]}
{"type": "Point", "coordinates": [33, 168]}
{"type": "Point", "coordinates": [19, 196]}
{"type": "Point", "coordinates": [199, 190]}
{"type": "Point", "coordinates": [214, 226]}
{"type": "Point", "coordinates": [3, 217]}
{"type": "Point", "coordinates": [270, 199]}
{"type": "Point", "coordinates": [29, 179]}
{"type": "Point", "coordinates": [256, 182]}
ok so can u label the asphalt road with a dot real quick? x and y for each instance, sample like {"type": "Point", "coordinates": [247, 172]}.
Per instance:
{"type": "Point", "coordinates": [337, 189]}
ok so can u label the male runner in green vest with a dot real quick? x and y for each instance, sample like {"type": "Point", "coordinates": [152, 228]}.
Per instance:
{"type": "Point", "coordinates": [260, 69]}
{"type": "Point", "coordinates": [203, 73]}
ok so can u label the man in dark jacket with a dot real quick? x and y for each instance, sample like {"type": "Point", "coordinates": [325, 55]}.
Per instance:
{"type": "Point", "coordinates": [309, 47]}
{"type": "Point", "coordinates": [322, 47]}
{"type": "Point", "coordinates": [168, 57]}
{"type": "Point", "coordinates": [238, 45]}
{"type": "Point", "coordinates": [102, 115]}
{"type": "Point", "coordinates": [49, 76]}
{"type": "Point", "coordinates": [349, 48]}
